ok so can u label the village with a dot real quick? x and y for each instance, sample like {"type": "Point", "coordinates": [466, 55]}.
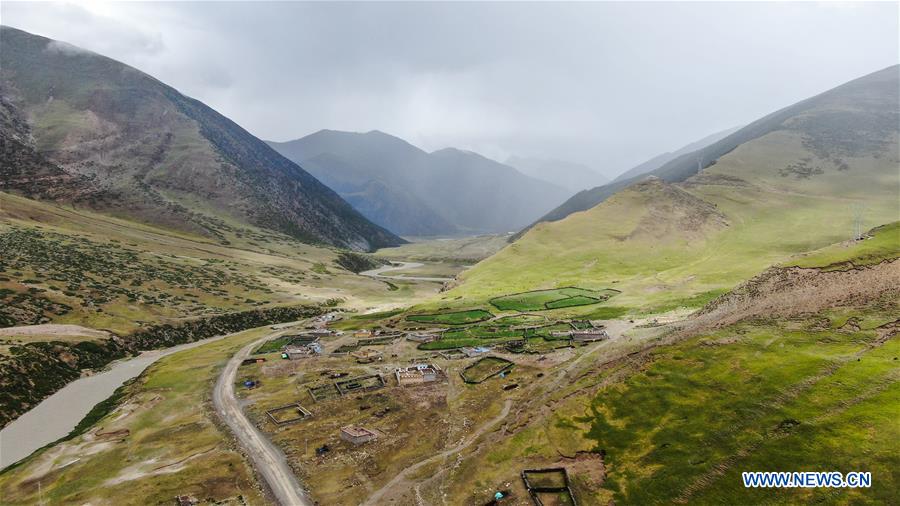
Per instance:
{"type": "Point", "coordinates": [339, 397]}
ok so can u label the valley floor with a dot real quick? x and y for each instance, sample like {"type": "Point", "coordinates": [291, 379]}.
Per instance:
{"type": "Point", "coordinates": [669, 407]}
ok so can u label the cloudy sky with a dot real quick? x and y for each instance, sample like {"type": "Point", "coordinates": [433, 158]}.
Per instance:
{"type": "Point", "coordinates": [606, 84]}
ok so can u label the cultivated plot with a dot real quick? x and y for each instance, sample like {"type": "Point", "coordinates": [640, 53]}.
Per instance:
{"type": "Point", "coordinates": [454, 318]}
{"type": "Point", "coordinates": [485, 368]}
{"type": "Point", "coordinates": [539, 300]}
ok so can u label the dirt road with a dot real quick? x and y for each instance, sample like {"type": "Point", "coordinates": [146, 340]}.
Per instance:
{"type": "Point", "coordinates": [266, 458]}
{"type": "Point", "coordinates": [376, 496]}
{"type": "Point", "coordinates": [399, 266]}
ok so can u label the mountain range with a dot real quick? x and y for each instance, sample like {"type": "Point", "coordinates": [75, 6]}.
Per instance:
{"type": "Point", "coordinates": [412, 192]}
{"type": "Point", "coordinates": [78, 127]}
{"type": "Point", "coordinates": [841, 122]}
{"type": "Point", "coordinates": [796, 180]}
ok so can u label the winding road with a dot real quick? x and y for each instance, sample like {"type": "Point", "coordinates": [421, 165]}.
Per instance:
{"type": "Point", "coordinates": [399, 266]}
{"type": "Point", "coordinates": [267, 459]}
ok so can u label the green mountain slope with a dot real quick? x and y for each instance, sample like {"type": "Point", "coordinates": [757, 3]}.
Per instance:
{"type": "Point", "coordinates": [141, 150]}
{"type": "Point", "coordinates": [790, 190]}
{"type": "Point", "coordinates": [446, 192]}
{"type": "Point", "coordinates": [852, 118]}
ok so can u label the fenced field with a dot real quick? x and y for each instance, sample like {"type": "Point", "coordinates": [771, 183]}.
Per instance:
{"type": "Point", "coordinates": [539, 300]}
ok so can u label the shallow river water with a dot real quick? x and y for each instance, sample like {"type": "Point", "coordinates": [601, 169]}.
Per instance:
{"type": "Point", "coordinates": [58, 414]}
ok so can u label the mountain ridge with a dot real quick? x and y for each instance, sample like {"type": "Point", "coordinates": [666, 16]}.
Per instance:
{"type": "Point", "coordinates": [448, 191]}
{"type": "Point", "coordinates": [687, 165]}
{"type": "Point", "coordinates": [661, 159]}
{"type": "Point", "coordinates": [168, 159]}
{"type": "Point", "coordinates": [792, 187]}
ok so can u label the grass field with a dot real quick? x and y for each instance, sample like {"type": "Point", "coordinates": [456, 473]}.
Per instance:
{"type": "Point", "coordinates": [274, 345]}
{"type": "Point", "coordinates": [808, 401]}
{"type": "Point", "coordinates": [483, 332]}
{"type": "Point", "coordinates": [578, 300]}
{"type": "Point", "coordinates": [544, 332]}
{"type": "Point", "coordinates": [520, 319]}
{"type": "Point", "coordinates": [539, 300]}
{"type": "Point", "coordinates": [452, 318]}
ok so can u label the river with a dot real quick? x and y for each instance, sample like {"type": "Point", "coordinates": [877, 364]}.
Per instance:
{"type": "Point", "coordinates": [58, 414]}
{"type": "Point", "coordinates": [399, 266]}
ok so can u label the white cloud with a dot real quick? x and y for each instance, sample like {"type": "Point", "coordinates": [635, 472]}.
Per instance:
{"type": "Point", "coordinates": [607, 84]}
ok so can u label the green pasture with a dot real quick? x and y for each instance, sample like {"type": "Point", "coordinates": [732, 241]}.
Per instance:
{"type": "Point", "coordinates": [452, 318]}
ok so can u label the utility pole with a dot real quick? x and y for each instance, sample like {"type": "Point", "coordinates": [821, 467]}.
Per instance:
{"type": "Point", "coordinates": [857, 210]}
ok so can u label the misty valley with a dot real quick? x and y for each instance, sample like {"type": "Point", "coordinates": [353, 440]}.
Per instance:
{"type": "Point", "coordinates": [511, 254]}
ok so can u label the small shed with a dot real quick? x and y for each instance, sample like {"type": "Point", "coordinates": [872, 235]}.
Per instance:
{"type": "Point", "coordinates": [421, 337]}
{"type": "Point", "coordinates": [367, 356]}
{"type": "Point", "coordinates": [357, 435]}
{"type": "Point", "coordinates": [586, 336]}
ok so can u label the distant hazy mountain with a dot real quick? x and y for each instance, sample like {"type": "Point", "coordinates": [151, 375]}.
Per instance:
{"type": "Point", "coordinates": [837, 123]}
{"type": "Point", "coordinates": [660, 160]}
{"type": "Point", "coordinates": [570, 175]}
{"type": "Point", "coordinates": [412, 192]}
{"type": "Point", "coordinates": [80, 127]}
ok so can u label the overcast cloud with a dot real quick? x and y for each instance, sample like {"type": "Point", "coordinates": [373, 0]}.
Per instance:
{"type": "Point", "coordinates": [606, 84]}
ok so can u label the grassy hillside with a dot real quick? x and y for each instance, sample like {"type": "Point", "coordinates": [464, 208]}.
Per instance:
{"type": "Point", "coordinates": [852, 119]}
{"type": "Point", "coordinates": [677, 420]}
{"type": "Point", "coordinates": [62, 264]}
{"type": "Point", "coordinates": [792, 190]}
{"type": "Point", "coordinates": [879, 245]}
{"type": "Point", "coordinates": [139, 149]}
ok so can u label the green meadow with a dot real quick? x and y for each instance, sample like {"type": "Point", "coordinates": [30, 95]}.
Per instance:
{"type": "Point", "coordinates": [750, 398]}
{"type": "Point", "coordinates": [452, 318]}
{"type": "Point", "coordinates": [539, 300]}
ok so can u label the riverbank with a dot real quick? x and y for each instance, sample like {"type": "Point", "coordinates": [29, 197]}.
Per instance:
{"type": "Point", "coordinates": [56, 416]}
{"type": "Point", "coordinates": [161, 440]}
{"type": "Point", "coordinates": [33, 371]}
